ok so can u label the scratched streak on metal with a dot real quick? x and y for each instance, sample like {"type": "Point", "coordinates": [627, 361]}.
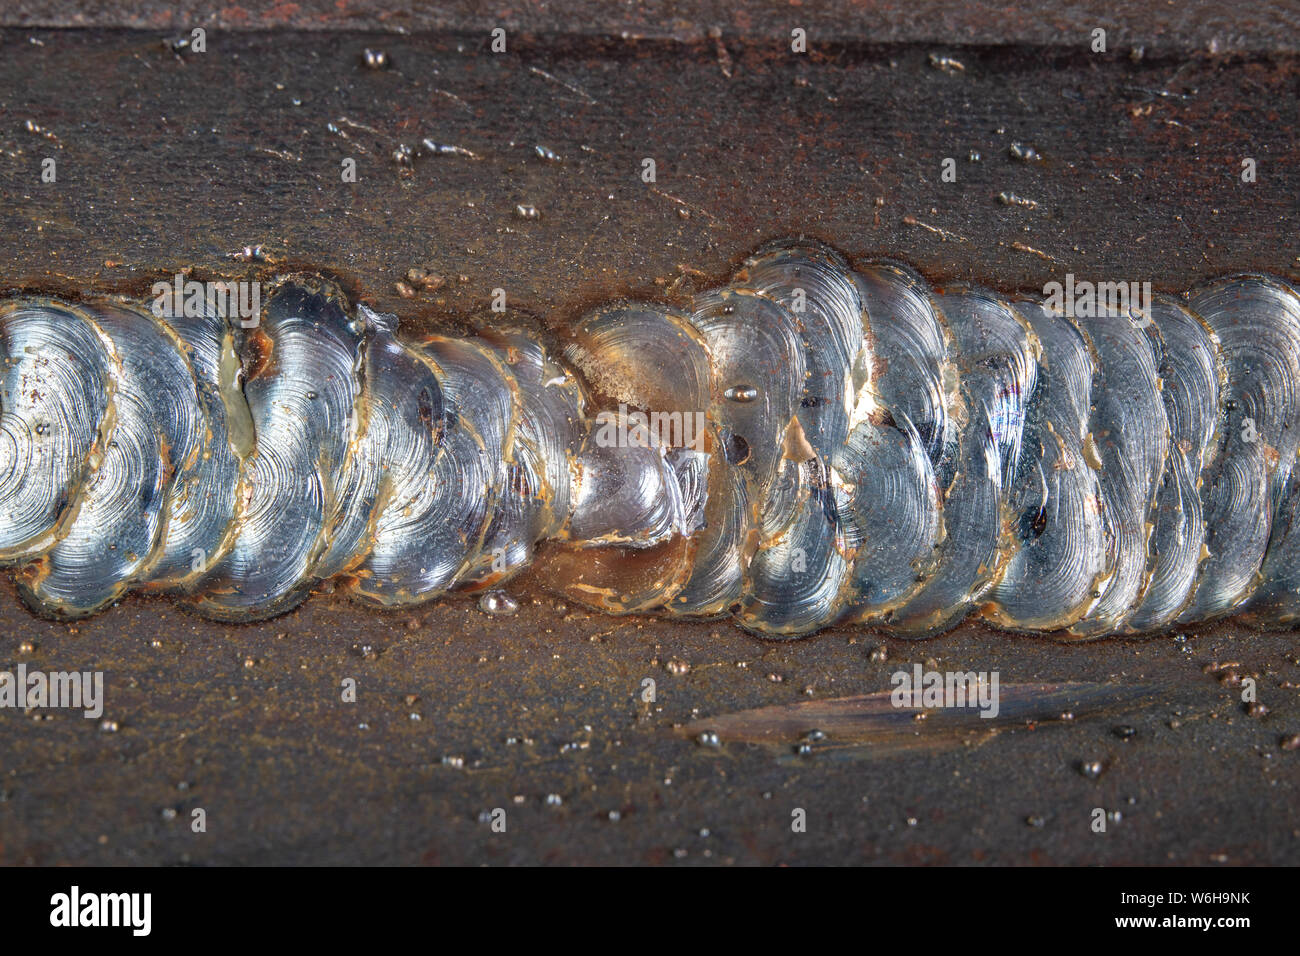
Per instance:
{"type": "Point", "coordinates": [167, 162]}
{"type": "Point", "coordinates": [1269, 25]}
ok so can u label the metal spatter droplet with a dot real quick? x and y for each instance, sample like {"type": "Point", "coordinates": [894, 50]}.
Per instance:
{"type": "Point", "coordinates": [498, 604]}
{"type": "Point", "coordinates": [813, 443]}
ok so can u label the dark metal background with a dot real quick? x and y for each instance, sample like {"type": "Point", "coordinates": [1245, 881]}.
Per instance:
{"type": "Point", "coordinates": [171, 161]}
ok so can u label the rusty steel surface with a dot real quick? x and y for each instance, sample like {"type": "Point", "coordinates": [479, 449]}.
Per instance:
{"type": "Point", "coordinates": [171, 160]}
{"type": "Point", "coordinates": [1272, 25]}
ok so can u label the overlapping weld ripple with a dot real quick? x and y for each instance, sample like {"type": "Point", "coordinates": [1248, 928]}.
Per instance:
{"type": "Point", "coordinates": [871, 449]}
